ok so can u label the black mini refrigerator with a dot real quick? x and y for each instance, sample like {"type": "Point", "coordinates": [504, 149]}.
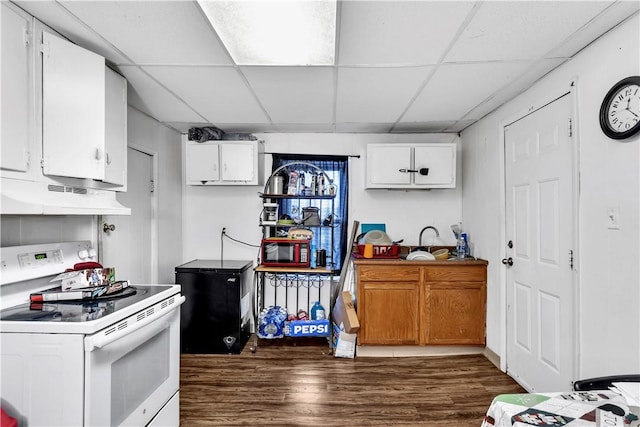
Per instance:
{"type": "Point", "coordinates": [216, 316]}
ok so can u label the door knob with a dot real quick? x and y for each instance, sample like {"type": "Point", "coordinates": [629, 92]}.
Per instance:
{"type": "Point", "coordinates": [507, 261]}
{"type": "Point", "coordinates": [108, 227]}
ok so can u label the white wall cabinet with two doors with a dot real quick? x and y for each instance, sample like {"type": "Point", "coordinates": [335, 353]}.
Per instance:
{"type": "Point", "coordinates": [223, 163]}
{"type": "Point", "coordinates": [411, 166]}
{"type": "Point", "coordinates": [63, 110]}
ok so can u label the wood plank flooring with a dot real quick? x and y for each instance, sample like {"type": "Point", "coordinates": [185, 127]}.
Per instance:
{"type": "Point", "coordinates": [304, 385]}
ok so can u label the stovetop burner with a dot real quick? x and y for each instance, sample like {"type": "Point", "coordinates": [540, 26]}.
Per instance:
{"type": "Point", "coordinates": [79, 311]}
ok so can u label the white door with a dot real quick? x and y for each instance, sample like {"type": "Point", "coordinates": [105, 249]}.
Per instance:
{"type": "Point", "coordinates": [540, 222]}
{"type": "Point", "coordinates": [128, 247]}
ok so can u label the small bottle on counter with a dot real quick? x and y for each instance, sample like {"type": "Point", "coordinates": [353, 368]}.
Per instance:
{"type": "Point", "coordinates": [467, 250]}
{"type": "Point", "coordinates": [461, 251]}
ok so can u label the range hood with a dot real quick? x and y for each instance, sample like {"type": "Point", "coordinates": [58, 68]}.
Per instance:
{"type": "Point", "coordinates": [20, 197]}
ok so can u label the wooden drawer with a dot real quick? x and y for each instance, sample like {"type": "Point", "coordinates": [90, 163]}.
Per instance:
{"type": "Point", "coordinates": [455, 273]}
{"type": "Point", "coordinates": [385, 273]}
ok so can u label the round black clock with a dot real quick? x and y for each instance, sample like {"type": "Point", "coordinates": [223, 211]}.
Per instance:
{"type": "Point", "coordinates": [620, 110]}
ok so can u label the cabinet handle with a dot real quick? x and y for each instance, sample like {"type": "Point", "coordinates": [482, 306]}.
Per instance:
{"type": "Point", "coordinates": [98, 154]}
{"type": "Point", "coordinates": [408, 170]}
{"type": "Point", "coordinates": [108, 158]}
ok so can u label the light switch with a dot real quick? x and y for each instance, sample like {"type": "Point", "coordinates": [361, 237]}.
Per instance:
{"type": "Point", "coordinates": [613, 217]}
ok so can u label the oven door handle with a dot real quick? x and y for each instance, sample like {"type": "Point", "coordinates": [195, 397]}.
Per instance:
{"type": "Point", "coordinates": [98, 341]}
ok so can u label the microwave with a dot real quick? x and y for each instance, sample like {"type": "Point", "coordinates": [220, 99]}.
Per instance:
{"type": "Point", "coordinates": [283, 252]}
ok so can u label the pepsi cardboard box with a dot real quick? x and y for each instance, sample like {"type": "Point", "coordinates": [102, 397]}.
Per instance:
{"type": "Point", "coordinates": [307, 328]}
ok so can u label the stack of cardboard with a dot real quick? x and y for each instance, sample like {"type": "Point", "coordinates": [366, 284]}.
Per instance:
{"type": "Point", "coordinates": [345, 326]}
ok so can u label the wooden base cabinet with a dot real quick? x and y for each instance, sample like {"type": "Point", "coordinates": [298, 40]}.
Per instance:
{"type": "Point", "coordinates": [428, 303]}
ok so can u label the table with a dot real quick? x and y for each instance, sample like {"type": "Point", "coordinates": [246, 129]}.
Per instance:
{"type": "Point", "coordinates": [572, 409]}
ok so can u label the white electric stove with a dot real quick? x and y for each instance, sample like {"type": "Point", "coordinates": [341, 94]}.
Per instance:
{"type": "Point", "coordinates": [108, 361]}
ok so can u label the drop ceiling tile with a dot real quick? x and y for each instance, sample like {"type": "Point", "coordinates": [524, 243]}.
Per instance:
{"type": "Point", "coordinates": [533, 73]}
{"type": "Point", "coordinates": [394, 32]}
{"type": "Point", "coordinates": [294, 94]}
{"type": "Point", "coordinates": [611, 17]}
{"type": "Point", "coordinates": [460, 125]}
{"type": "Point", "coordinates": [511, 30]}
{"type": "Point", "coordinates": [456, 89]}
{"type": "Point", "coordinates": [219, 94]}
{"type": "Point", "coordinates": [148, 96]}
{"type": "Point", "coordinates": [376, 95]}
{"type": "Point", "coordinates": [420, 127]}
{"type": "Point", "coordinates": [364, 127]}
{"type": "Point", "coordinates": [304, 128]}
{"type": "Point", "coordinates": [154, 32]}
{"type": "Point", "coordinates": [58, 18]}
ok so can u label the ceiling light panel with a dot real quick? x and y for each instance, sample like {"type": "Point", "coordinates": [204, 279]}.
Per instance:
{"type": "Point", "coordinates": [275, 32]}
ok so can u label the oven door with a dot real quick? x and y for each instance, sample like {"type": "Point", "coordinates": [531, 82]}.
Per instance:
{"type": "Point", "coordinates": [130, 376]}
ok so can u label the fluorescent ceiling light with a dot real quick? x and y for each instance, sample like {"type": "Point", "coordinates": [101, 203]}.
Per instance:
{"type": "Point", "coordinates": [293, 32]}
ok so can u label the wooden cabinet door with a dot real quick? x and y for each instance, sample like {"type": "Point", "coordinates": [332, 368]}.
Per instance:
{"type": "Point", "coordinates": [389, 313]}
{"type": "Point", "coordinates": [456, 313]}
{"type": "Point", "coordinates": [455, 304]}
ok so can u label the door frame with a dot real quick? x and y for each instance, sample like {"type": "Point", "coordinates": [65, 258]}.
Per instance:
{"type": "Point", "coordinates": [542, 101]}
{"type": "Point", "coordinates": [154, 208]}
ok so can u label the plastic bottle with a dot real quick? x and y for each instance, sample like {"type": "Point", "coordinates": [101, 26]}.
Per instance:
{"type": "Point", "coordinates": [467, 251]}
{"type": "Point", "coordinates": [313, 256]}
{"type": "Point", "coordinates": [460, 247]}
{"type": "Point", "coordinates": [317, 311]}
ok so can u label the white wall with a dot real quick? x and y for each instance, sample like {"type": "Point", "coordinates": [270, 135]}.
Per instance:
{"type": "Point", "coordinates": [208, 209]}
{"type": "Point", "coordinates": [152, 137]}
{"type": "Point", "coordinates": [17, 230]}
{"type": "Point", "coordinates": [609, 286]}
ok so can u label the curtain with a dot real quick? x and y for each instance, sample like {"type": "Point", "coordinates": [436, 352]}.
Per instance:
{"type": "Point", "coordinates": [336, 168]}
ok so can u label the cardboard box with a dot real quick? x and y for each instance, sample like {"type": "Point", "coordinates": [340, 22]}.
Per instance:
{"type": "Point", "coordinates": [344, 313]}
{"type": "Point", "coordinates": [344, 344]}
{"type": "Point", "coordinates": [307, 328]}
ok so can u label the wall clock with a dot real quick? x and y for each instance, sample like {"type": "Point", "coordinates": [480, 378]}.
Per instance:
{"type": "Point", "coordinates": [620, 110]}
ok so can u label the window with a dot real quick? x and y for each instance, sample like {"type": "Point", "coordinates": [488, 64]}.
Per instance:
{"type": "Point", "coordinates": [336, 168]}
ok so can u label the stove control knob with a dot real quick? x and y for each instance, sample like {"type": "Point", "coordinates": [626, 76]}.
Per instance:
{"type": "Point", "coordinates": [83, 254]}
{"type": "Point", "coordinates": [92, 253]}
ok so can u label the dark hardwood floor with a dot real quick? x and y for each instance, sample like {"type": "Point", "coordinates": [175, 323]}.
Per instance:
{"type": "Point", "coordinates": [304, 385]}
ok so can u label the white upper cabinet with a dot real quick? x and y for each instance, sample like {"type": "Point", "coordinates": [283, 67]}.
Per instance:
{"type": "Point", "coordinates": [115, 158]}
{"type": "Point", "coordinates": [84, 114]}
{"type": "Point", "coordinates": [223, 163]}
{"type": "Point", "coordinates": [411, 166]}
{"type": "Point", "coordinates": [16, 91]}
{"type": "Point", "coordinates": [73, 110]}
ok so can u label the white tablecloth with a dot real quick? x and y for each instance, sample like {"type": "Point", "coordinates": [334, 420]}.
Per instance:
{"type": "Point", "coordinates": [573, 409]}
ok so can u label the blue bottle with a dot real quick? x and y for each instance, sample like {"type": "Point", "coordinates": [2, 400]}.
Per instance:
{"type": "Point", "coordinates": [317, 311]}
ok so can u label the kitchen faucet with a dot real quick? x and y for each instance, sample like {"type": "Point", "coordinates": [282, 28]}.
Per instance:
{"type": "Point", "coordinates": [426, 228]}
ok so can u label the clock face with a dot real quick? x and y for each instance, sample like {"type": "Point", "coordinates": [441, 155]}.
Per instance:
{"type": "Point", "coordinates": [620, 111]}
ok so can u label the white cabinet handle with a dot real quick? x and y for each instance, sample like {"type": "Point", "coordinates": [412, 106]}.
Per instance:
{"type": "Point", "coordinates": [108, 159]}
{"type": "Point", "coordinates": [98, 154]}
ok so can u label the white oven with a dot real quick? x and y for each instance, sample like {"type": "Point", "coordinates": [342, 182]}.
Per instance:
{"type": "Point", "coordinates": [109, 362]}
